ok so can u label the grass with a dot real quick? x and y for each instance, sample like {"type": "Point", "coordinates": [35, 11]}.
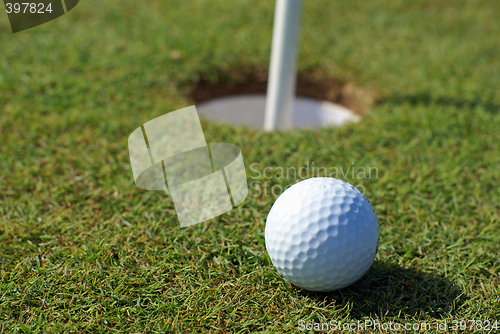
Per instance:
{"type": "Point", "coordinates": [83, 249]}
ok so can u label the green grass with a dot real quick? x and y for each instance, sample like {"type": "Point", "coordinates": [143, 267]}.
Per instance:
{"type": "Point", "coordinates": [81, 248]}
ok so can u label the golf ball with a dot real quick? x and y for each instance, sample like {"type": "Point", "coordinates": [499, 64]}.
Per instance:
{"type": "Point", "coordinates": [322, 234]}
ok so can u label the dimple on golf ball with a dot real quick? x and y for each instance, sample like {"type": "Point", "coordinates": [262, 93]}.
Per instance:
{"type": "Point", "coordinates": [322, 234]}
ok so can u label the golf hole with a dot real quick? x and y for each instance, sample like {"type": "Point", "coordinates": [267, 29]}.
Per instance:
{"type": "Point", "coordinates": [239, 98]}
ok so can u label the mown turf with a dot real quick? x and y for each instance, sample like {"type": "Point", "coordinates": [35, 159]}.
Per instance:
{"type": "Point", "coordinates": [81, 248]}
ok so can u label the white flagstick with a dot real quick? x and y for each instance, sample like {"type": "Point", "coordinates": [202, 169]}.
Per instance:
{"type": "Point", "coordinates": [283, 67]}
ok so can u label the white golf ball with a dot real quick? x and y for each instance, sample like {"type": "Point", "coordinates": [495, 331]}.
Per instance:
{"type": "Point", "coordinates": [322, 234]}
